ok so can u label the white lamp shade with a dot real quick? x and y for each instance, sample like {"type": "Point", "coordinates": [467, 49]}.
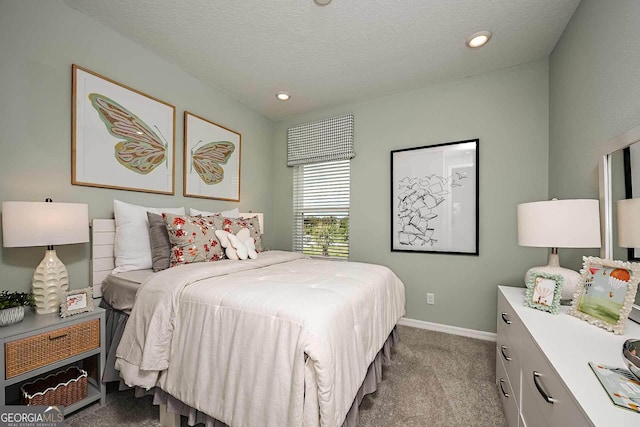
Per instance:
{"type": "Point", "coordinates": [628, 221]}
{"type": "Point", "coordinates": [559, 224]}
{"type": "Point", "coordinates": [44, 223]}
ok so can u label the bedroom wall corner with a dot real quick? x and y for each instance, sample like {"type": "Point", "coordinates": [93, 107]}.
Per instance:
{"type": "Point", "coordinates": [594, 96]}
{"type": "Point", "coordinates": [39, 41]}
{"type": "Point", "coordinates": [508, 111]}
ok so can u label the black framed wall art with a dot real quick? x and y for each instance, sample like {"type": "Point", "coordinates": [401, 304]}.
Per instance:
{"type": "Point", "coordinates": [434, 198]}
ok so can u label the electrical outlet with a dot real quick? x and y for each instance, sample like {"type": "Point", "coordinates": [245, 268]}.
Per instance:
{"type": "Point", "coordinates": [431, 298]}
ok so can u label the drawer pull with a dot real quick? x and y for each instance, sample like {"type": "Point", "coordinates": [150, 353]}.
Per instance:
{"type": "Point", "coordinates": [505, 318]}
{"type": "Point", "coordinates": [502, 389]}
{"type": "Point", "coordinates": [545, 396]}
{"type": "Point", "coordinates": [58, 335]}
{"type": "Point", "coordinates": [502, 349]}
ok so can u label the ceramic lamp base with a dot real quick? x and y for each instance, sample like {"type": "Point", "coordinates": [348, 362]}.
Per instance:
{"type": "Point", "coordinates": [50, 280]}
{"type": "Point", "coordinates": [571, 278]}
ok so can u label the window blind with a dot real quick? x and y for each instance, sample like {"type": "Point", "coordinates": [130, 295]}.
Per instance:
{"type": "Point", "coordinates": [321, 141]}
{"type": "Point", "coordinates": [321, 197]}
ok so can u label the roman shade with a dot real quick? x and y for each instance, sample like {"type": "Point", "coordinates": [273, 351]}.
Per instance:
{"type": "Point", "coordinates": [325, 140]}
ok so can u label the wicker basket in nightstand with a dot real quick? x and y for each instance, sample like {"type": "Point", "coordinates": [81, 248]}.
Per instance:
{"type": "Point", "coordinates": [62, 388]}
{"type": "Point", "coordinates": [40, 350]}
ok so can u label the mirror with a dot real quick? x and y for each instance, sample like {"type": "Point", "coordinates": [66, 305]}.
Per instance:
{"type": "Point", "coordinates": [613, 188]}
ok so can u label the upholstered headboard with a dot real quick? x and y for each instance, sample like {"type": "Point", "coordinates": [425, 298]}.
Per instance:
{"type": "Point", "coordinates": [103, 234]}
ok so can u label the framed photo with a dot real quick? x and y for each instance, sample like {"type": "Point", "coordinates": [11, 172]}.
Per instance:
{"type": "Point", "coordinates": [434, 198]}
{"type": "Point", "coordinates": [544, 291]}
{"type": "Point", "coordinates": [211, 160]}
{"type": "Point", "coordinates": [121, 137]}
{"type": "Point", "coordinates": [606, 292]}
{"type": "Point", "coordinates": [76, 301]}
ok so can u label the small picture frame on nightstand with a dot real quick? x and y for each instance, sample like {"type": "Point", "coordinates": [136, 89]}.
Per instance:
{"type": "Point", "coordinates": [76, 301]}
{"type": "Point", "coordinates": [544, 291]}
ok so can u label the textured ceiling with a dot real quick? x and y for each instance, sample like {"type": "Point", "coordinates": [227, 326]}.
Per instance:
{"type": "Point", "coordinates": [327, 55]}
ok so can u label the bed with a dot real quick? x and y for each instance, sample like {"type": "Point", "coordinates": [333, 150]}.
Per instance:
{"type": "Point", "coordinates": [281, 340]}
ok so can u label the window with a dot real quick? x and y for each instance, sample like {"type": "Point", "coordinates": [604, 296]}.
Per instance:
{"type": "Point", "coordinates": [321, 194]}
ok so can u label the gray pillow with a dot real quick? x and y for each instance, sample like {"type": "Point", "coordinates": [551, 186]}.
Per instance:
{"type": "Point", "coordinates": [160, 245]}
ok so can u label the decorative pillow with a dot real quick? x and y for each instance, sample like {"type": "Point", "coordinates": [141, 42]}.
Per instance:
{"type": "Point", "coordinates": [160, 244]}
{"type": "Point", "coordinates": [132, 248]}
{"type": "Point", "coordinates": [233, 213]}
{"type": "Point", "coordinates": [192, 239]}
{"type": "Point", "coordinates": [233, 225]}
{"type": "Point", "coordinates": [238, 246]}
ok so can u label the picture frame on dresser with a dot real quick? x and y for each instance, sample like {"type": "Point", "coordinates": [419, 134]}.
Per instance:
{"type": "Point", "coordinates": [606, 292]}
{"type": "Point", "coordinates": [544, 291]}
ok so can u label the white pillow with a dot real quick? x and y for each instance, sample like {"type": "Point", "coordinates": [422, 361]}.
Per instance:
{"type": "Point", "coordinates": [233, 213]}
{"type": "Point", "coordinates": [132, 248]}
{"type": "Point", "coordinates": [239, 246]}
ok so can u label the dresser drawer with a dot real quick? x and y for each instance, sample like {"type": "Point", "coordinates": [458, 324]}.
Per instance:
{"type": "Point", "coordinates": [508, 322]}
{"type": "Point", "coordinates": [507, 398]}
{"type": "Point", "coordinates": [507, 353]}
{"type": "Point", "coordinates": [531, 414]}
{"type": "Point", "coordinates": [40, 350]}
{"type": "Point", "coordinates": [545, 391]}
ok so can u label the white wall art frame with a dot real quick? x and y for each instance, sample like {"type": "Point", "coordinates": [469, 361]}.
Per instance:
{"type": "Point", "coordinates": [121, 137]}
{"type": "Point", "coordinates": [434, 198]}
{"type": "Point", "coordinates": [212, 155]}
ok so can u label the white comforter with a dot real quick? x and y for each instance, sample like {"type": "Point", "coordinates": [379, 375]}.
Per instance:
{"type": "Point", "coordinates": [229, 338]}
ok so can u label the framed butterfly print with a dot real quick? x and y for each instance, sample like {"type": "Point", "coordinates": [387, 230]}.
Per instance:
{"type": "Point", "coordinates": [211, 160]}
{"type": "Point", "coordinates": [121, 137]}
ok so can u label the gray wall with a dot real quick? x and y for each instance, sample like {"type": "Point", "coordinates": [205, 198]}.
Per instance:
{"type": "Point", "coordinates": [594, 95]}
{"type": "Point", "coordinates": [508, 111]}
{"type": "Point", "coordinates": [39, 41]}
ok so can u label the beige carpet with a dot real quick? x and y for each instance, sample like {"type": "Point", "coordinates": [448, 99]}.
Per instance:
{"type": "Point", "coordinates": [435, 379]}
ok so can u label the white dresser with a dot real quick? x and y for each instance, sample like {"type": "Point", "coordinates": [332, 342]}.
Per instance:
{"type": "Point", "coordinates": [542, 370]}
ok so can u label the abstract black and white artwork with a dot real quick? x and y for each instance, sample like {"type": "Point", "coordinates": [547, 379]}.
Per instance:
{"type": "Point", "coordinates": [434, 198]}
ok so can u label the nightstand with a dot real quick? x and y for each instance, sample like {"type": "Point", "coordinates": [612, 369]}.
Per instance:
{"type": "Point", "coordinates": [43, 344]}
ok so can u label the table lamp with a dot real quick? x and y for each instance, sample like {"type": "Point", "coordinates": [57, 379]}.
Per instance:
{"type": "Point", "coordinates": [559, 224]}
{"type": "Point", "coordinates": [46, 224]}
{"type": "Point", "coordinates": [628, 221]}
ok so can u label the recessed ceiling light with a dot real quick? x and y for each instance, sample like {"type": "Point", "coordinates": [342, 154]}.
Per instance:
{"type": "Point", "coordinates": [478, 39]}
{"type": "Point", "coordinates": [322, 2]}
{"type": "Point", "coordinates": [283, 96]}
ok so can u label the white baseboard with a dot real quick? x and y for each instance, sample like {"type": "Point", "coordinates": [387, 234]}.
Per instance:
{"type": "Point", "coordinates": [454, 330]}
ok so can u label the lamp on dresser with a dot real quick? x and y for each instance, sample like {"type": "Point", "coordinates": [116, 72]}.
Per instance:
{"type": "Point", "coordinates": [26, 224]}
{"type": "Point", "coordinates": [628, 221]}
{"type": "Point", "coordinates": [559, 224]}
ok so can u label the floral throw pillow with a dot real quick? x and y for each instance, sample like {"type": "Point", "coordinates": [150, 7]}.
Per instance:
{"type": "Point", "coordinates": [233, 225]}
{"type": "Point", "coordinates": [193, 239]}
